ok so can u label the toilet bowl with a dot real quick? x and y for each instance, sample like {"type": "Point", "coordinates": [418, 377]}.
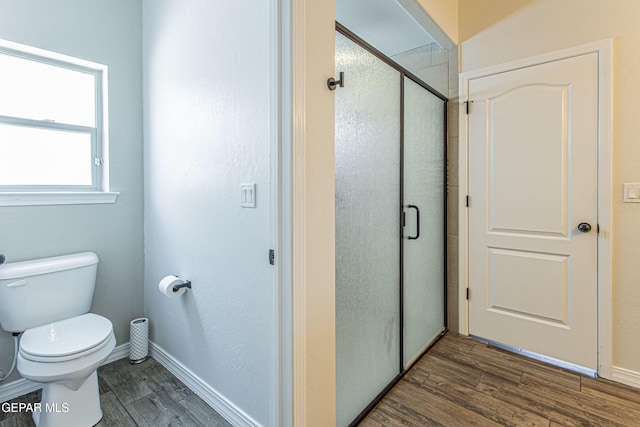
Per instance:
{"type": "Point", "coordinates": [64, 357]}
{"type": "Point", "coordinates": [62, 344]}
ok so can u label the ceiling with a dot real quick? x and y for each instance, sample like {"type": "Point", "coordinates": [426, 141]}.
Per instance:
{"type": "Point", "coordinates": [384, 24]}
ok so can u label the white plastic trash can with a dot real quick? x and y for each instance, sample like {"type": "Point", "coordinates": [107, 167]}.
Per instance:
{"type": "Point", "coordinates": [139, 341]}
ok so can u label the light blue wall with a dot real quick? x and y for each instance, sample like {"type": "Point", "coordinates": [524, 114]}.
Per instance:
{"type": "Point", "coordinates": [207, 72]}
{"type": "Point", "coordinates": [107, 32]}
{"type": "Point", "coordinates": [207, 79]}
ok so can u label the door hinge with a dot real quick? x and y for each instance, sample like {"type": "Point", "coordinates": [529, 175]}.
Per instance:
{"type": "Point", "coordinates": [467, 293]}
{"type": "Point", "coordinates": [466, 106]}
{"type": "Point", "coordinates": [467, 201]}
{"type": "Point", "coordinates": [598, 228]}
{"type": "Point", "coordinates": [99, 161]}
{"type": "Point", "coordinates": [272, 257]}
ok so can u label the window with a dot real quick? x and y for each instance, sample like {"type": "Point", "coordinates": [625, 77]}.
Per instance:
{"type": "Point", "coordinates": [52, 128]}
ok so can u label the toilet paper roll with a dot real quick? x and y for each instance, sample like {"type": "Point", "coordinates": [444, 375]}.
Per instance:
{"type": "Point", "coordinates": [166, 286]}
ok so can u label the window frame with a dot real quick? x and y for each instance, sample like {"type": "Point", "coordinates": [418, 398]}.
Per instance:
{"type": "Point", "coordinates": [98, 191]}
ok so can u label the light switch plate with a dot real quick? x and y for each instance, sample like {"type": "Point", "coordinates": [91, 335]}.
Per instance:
{"type": "Point", "coordinates": [247, 195]}
{"type": "Point", "coordinates": [632, 192]}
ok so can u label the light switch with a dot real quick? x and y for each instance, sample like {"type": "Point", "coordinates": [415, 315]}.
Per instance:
{"type": "Point", "coordinates": [247, 195]}
{"type": "Point", "coordinates": [632, 192]}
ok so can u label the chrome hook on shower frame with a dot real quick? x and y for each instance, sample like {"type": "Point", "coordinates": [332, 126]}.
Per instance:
{"type": "Point", "coordinates": [332, 83]}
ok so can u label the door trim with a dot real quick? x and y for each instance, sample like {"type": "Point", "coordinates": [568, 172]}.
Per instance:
{"type": "Point", "coordinates": [307, 106]}
{"type": "Point", "coordinates": [604, 50]}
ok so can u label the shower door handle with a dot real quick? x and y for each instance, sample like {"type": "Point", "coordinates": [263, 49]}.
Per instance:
{"type": "Point", "coordinates": [417, 222]}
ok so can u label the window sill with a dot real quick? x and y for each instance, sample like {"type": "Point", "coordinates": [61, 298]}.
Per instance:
{"type": "Point", "coordinates": [57, 198]}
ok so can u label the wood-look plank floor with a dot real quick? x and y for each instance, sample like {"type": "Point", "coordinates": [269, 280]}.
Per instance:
{"type": "Point", "coordinates": [462, 382]}
{"type": "Point", "coordinates": [145, 395]}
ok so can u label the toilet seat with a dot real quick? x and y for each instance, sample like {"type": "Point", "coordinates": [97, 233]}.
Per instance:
{"type": "Point", "coordinates": [67, 339]}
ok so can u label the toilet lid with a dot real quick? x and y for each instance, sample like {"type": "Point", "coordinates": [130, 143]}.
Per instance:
{"type": "Point", "coordinates": [66, 337]}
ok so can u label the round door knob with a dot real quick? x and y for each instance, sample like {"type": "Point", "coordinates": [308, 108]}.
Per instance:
{"type": "Point", "coordinates": [585, 227]}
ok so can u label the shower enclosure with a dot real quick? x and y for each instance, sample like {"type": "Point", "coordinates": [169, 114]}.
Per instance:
{"type": "Point", "coordinates": [390, 223]}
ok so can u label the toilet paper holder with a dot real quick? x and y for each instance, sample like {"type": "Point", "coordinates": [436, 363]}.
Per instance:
{"type": "Point", "coordinates": [186, 284]}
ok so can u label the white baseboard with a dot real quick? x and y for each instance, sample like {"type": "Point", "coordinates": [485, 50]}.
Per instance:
{"type": "Point", "coordinates": [120, 352]}
{"type": "Point", "coordinates": [17, 388]}
{"type": "Point", "coordinates": [22, 386]}
{"type": "Point", "coordinates": [217, 401]}
{"type": "Point", "coordinates": [625, 376]}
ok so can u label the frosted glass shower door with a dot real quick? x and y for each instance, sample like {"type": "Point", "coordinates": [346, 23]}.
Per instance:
{"type": "Point", "coordinates": [367, 150]}
{"type": "Point", "coordinates": [423, 232]}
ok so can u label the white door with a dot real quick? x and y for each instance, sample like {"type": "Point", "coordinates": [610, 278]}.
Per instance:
{"type": "Point", "coordinates": [533, 146]}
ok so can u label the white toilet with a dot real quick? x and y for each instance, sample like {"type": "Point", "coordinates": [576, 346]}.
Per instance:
{"type": "Point", "coordinates": [62, 344]}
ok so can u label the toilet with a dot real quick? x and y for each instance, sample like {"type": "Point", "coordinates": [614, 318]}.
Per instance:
{"type": "Point", "coordinates": [62, 344]}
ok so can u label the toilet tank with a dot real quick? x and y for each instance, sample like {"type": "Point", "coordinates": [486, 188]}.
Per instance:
{"type": "Point", "coordinates": [37, 292]}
